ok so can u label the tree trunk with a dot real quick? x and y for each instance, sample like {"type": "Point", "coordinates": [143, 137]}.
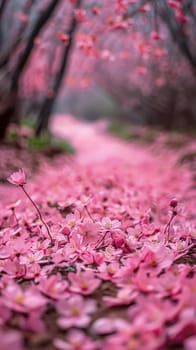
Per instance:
{"type": "Point", "coordinates": [8, 111]}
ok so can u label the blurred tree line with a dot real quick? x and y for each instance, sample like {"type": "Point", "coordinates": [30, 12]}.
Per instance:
{"type": "Point", "coordinates": [166, 97]}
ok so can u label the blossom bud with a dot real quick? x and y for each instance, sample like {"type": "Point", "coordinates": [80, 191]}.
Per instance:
{"type": "Point", "coordinates": [98, 258]}
{"type": "Point", "coordinates": [174, 203]}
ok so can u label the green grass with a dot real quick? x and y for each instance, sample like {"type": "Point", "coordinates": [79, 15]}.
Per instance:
{"type": "Point", "coordinates": [46, 143]}
{"type": "Point", "coordinates": [38, 143]}
{"type": "Point", "coordinates": [50, 144]}
{"type": "Point", "coordinates": [122, 131]}
{"type": "Point", "coordinates": [12, 136]}
{"type": "Point", "coordinates": [29, 123]}
{"type": "Point", "coordinates": [128, 133]}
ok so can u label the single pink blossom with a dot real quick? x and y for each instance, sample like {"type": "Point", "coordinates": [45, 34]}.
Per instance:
{"type": "Point", "coordinates": [76, 340]}
{"type": "Point", "coordinates": [108, 271]}
{"type": "Point", "coordinates": [190, 343]}
{"type": "Point", "coordinates": [18, 178]}
{"type": "Point", "coordinates": [33, 323]}
{"type": "Point", "coordinates": [23, 301]}
{"type": "Point", "coordinates": [5, 313]}
{"type": "Point", "coordinates": [83, 282]}
{"type": "Point", "coordinates": [107, 224]}
{"type": "Point", "coordinates": [125, 296]}
{"type": "Point", "coordinates": [11, 340]}
{"type": "Point", "coordinates": [186, 325]}
{"type": "Point", "coordinates": [53, 286]}
{"type": "Point", "coordinates": [106, 325]}
{"type": "Point", "coordinates": [89, 231]}
{"type": "Point", "coordinates": [75, 311]}
{"type": "Point", "coordinates": [14, 268]}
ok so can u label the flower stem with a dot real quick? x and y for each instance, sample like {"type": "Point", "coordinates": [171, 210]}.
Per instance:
{"type": "Point", "coordinates": [39, 213]}
{"type": "Point", "coordinates": [101, 240]}
{"type": "Point", "coordinates": [167, 227]}
{"type": "Point", "coordinates": [88, 212]}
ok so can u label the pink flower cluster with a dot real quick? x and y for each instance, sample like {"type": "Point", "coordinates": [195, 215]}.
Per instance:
{"type": "Point", "coordinates": [121, 271]}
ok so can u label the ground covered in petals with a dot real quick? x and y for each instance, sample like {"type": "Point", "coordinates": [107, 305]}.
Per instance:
{"type": "Point", "coordinates": [117, 269]}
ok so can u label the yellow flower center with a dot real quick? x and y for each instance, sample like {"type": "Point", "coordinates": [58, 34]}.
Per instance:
{"type": "Point", "coordinates": [154, 263]}
{"type": "Point", "coordinates": [19, 299]}
{"type": "Point", "coordinates": [75, 311]}
{"type": "Point", "coordinates": [84, 285]}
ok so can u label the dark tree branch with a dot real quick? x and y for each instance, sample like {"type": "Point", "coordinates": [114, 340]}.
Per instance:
{"type": "Point", "coordinates": [48, 104]}
{"type": "Point", "coordinates": [41, 21]}
{"type": "Point", "coordinates": [2, 9]}
{"type": "Point", "coordinates": [132, 13]}
{"type": "Point", "coordinates": [177, 33]}
{"type": "Point", "coordinates": [188, 8]}
{"type": "Point", "coordinates": [4, 59]}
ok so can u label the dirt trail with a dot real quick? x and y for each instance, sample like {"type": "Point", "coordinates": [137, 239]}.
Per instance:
{"type": "Point", "coordinates": [94, 144]}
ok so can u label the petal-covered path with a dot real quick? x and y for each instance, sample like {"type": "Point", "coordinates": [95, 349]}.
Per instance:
{"type": "Point", "coordinates": [120, 270]}
{"type": "Point", "coordinates": [152, 166]}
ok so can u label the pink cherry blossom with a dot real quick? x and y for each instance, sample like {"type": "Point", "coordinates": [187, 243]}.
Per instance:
{"type": "Point", "coordinates": [23, 301]}
{"type": "Point", "coordinates": [75, 311]}
{"type": "Point", "coordinates": [83, 282]}
{"type": "Point", "coordinates": [18, 178]}
{"type": "Point", "coordinates": [124, 297]}
{"type": "Point", "coordinates": [108, 271]}
{"type": "Point", "coordinates": [157, 259]}
{"type": "Point", "coordinates": [53, 286]}
{"type": "Point", "coordinates": [190, 343]}
{"type": "Point", "coordinates": [11, 340]}
{"type": "Point", "coordinates": [76, 340]}
{"type": "Point", "coordinates": [5, 313]}
{"type": "Point", "coordinates": [186, 326]}
{"type": "Point", "coordinates": [89, 231]}
{"type": "Point", "coordinates": [109, 225]}
{"type": "Point", "coordinates": [107, 325]}
{"type": "Point", "coordinates": [33, 323]}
